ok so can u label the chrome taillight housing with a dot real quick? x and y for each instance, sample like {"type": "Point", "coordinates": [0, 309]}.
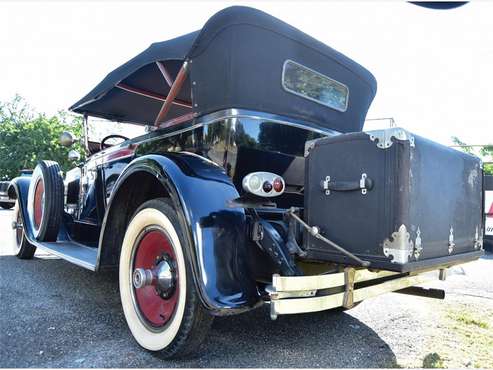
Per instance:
{"type": "Point", "coordinates": [264, 184]}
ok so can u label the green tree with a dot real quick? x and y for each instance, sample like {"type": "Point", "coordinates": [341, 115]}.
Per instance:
{"type": "Point", "coordinates": [27, 137]}
{"type": "Point", "coordinates": [485, 151]}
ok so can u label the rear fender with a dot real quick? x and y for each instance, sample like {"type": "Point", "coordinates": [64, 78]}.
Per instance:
{"type": "Point", "coordinates": [220, 256]}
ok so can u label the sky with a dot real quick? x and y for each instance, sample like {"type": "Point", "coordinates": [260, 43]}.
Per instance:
{"type": "Point", "coordinates": [434, 68]}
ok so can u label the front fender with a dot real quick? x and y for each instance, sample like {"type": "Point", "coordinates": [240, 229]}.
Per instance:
{"type": "Point", "coordinates": [19, 189]}
{"type": "Point", "coordinates": [219, 253]}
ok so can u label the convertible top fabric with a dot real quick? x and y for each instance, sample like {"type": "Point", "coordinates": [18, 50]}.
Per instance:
{"type": "Point", "coordinates": [235, 61]}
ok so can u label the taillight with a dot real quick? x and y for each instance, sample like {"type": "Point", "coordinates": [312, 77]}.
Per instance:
{"type": "Point", "coordinates": [264, 184]}
{"type": "Point", "coordinates": [278, 185]}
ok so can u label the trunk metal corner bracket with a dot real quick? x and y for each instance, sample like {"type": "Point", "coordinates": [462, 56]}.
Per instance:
{"type": "Point", "coordinates": [418, 248]}
{"type": "Point", "coordinates": [399, 245]}
{"type": "Point", "coordinates": [384, 137]}
{"type": "Point", "coordinates": [478, 238]}
{"type": "Point", "coordinates": [451, 244]}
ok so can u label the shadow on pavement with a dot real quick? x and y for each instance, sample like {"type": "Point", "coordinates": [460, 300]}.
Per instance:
{"type": "Point", "coordinates": [54, 314]}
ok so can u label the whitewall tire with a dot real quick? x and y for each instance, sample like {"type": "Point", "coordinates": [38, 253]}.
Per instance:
{"type": "Point", "coordinates": [22, 248]}
{"type": "Point", "coordinates": [158, 294]}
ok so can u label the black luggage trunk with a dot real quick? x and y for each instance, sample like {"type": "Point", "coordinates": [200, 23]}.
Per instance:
{"type": "Point", "coordinates": [394, 199]}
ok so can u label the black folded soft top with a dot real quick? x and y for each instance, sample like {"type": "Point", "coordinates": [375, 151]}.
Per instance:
{"type": "Point", "coordinates": [235, 61]}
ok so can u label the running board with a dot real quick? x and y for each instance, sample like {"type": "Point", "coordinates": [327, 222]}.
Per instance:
{"type": "Point", "coordinates": [73, 252]}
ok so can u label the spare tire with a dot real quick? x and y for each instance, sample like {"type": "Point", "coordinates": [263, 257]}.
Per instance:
{"type": "Point", "coordinates": [45, 201]}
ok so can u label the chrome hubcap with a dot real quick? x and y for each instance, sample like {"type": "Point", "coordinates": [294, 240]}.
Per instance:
{"type": "Point", "coordinates": [142, 277]}
{"type": "Point", "coordinates": [162, 277]}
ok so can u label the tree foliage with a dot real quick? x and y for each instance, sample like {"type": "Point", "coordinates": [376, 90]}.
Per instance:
{"type": "Point", "coordinates": [27, 137]}
{"type": "Point", "coordinates": [486, 152]}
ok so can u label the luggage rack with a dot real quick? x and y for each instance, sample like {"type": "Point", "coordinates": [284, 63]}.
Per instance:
{"type": "Point", "coordinates": [298, 294]}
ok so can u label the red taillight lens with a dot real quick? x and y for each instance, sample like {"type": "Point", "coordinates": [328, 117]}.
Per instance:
{"type": "Point", "coordinates": [278, 185]}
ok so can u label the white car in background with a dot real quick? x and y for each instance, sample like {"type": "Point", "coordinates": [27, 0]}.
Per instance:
{"type": "Point", "coordinates": [488, 210]}
{"type": "Point", "coordinates": [5, 201]}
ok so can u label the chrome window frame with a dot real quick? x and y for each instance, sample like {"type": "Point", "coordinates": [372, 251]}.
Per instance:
{"type": "Point", "coordinates": [285, 88]}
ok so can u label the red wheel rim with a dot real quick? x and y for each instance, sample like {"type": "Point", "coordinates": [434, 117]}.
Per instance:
{"type": "Point", "coordinates": [38, 203]}
{"type": "Point", "coordinates": [152, 247]}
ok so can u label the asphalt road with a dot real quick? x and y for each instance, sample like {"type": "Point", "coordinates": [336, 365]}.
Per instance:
{"type": "Point", "coordinates": [55, 314]}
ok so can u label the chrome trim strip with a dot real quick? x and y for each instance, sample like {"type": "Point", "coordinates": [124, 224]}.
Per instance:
{"type": "Point", "coordinates": [145, 139]}
{"type": "Point", "coordinates": [238, 113]}
{"type": "Point", "coordinates": [244, 113]}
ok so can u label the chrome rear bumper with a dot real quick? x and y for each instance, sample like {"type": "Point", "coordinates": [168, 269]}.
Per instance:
{"type": "Point", "coordinates": [300, 294]}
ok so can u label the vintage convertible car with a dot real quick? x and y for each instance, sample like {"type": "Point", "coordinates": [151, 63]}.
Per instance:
{"type": "Point", "coordinates": [255, 184]}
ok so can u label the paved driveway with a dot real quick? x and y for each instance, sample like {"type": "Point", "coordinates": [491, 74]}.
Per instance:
{"type": "Point", "coordinates": [54, 314]}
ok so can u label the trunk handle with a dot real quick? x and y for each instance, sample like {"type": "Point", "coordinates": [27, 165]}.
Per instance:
{"type": "Point", "coordinates": [364, 184]}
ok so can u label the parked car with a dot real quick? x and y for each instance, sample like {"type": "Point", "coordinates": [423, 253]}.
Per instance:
{"type": "Point", "coordinates": [488, 213]}
{"type": "Point", "coordinates": [5, 201]}
{"type": "Point", "coordinates": [255, 185]}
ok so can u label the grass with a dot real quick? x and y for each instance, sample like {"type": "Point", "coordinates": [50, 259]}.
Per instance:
{"type": "Point", "coordinates": [433, 361]}
{"type": "Point", "coordinates": [469, 339]}
{"type": "Point", "coordinates": [466, 318]}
